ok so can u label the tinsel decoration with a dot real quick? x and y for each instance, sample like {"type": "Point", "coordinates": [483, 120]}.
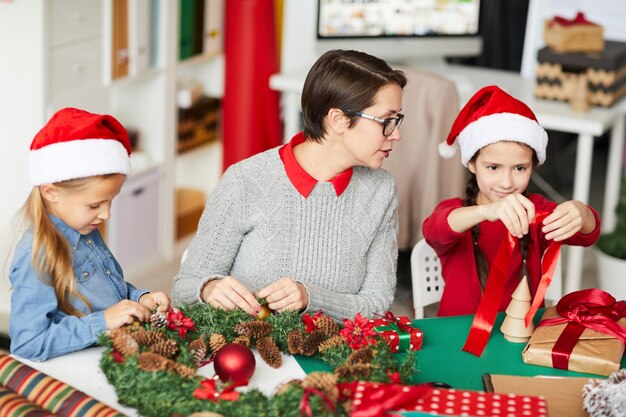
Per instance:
{"type": "Point", "coordinates": [124, 344]}
{"type": "Point", "coordinates": [331, 342]}
{"type": "Point", "coordinates": [295, 340]}
{"type": "Point", "coordinates": [199, 349]}
{"type": "Point", "coordinates": [158, 319]}
{"type": "Point", "coordinates": [167, 348]}
{"type": "Point", "coordinates": [244, 340]}
{"type": "Point", "coordinates": [147, 337]}
{"type": "Point", "coordinates": [216, 342]}
{"type": "Point", "coordinates": [254, 329]}
{"type": "Point", "coordinates": [606, 398]}
{"type": "Point", "coordinates": [312, 342]}
{"type": "Point", "coordinates": [327, 325]}
{"type": "Point", "coordinates": [149, 361]}
{"type": "Point", "coordinates": [269, 352]}
{"type": "Point", "coordinates": [325, 382]}
{"type": "Point", "coordinates": [362, 355]}
{"type": "Point", "coordinates": [356, 371]}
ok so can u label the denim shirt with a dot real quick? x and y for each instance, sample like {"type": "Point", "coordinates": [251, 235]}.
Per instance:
{"type": "Point", "coordinates": [38, 328]}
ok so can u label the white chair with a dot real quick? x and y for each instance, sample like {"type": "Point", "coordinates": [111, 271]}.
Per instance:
{"type": "Point", "coordinates": [426, 277]}
{"type": "Point", "coordinates": [428, 283]}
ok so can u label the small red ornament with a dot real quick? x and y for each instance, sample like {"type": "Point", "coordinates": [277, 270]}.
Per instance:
{"type": "Point", "coordinates": [235, 363]}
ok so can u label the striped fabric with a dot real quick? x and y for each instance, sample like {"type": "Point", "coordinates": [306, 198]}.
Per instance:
{"type": "Point", "coordinates": [49, 393]}
{"type": "Point", "coordinates": [14, 405]}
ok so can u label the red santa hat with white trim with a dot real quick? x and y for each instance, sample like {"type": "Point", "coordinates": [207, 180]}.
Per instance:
{"type": "Point", "coordinates": [78, 144]}
{"type": "Point", "coordinates": [491, 116]}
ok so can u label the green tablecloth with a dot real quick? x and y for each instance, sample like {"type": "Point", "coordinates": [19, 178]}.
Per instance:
{"type": "Point", "coordinates": [441, 358]}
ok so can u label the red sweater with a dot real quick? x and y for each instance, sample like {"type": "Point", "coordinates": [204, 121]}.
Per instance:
{"type": "Point", "coordinates": [462, 292]}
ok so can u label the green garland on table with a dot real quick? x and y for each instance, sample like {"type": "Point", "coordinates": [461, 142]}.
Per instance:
{"type": "Point", "coordinates": [169, 389]}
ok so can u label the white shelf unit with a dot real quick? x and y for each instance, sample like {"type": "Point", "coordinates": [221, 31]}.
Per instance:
{"type": "Point", "coordinates": [72, 41]}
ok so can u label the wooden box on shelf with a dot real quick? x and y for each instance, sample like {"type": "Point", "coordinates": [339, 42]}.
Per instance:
{"type": "Point", "coordinates": [198, 124]}
{"type": "Point", "coordinates": [189, 207]}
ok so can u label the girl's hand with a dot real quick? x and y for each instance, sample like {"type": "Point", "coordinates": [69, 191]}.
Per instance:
{"type": "Point", "coordinates": [284, 294]}
{"type": "Point", "coordinates": [155, 300]}
{"type": "Point", "coordinates": [228, 293]}
{"type": "Point", "coordinates": [515, 211]}
{"type": "Point", "coordinates": [125, 312]}
{"type": "Point", "coordinates": [568, 219]}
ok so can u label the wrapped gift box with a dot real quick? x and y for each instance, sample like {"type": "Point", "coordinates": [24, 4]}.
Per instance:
{"type": "Point", "coordinates": [605, 73]}
{"type": "Point", "coordinates": [399, 332]}
{"type": "Point", "coordinates": [594, 353]}
{"type": "Point", "coordinates": [577, 35]}
{"type": "Point", "coordinates": [376, 400]}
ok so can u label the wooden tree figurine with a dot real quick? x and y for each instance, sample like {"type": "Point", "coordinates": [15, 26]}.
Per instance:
{"type": "Point", "coordinates": [513, 325]}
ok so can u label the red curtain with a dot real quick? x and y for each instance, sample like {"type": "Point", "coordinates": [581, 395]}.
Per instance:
{"type": "Point", "coordinates": [251, 122]}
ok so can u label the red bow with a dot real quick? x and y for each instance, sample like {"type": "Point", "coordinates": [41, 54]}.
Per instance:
{"type": "Point", "coordinates": [389, 316]}
{"type": "Point", "coordinates": [305, 404]}
{"type": "Point", "coordinates": [209, 391]}
{"type": "Point", "coordinates": [580, 19]}
{"type": "Point", "coordinates": [594, 309]}
{"type": "Point", "coordinates": [494, 290]}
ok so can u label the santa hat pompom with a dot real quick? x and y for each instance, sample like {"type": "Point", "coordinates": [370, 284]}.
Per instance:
{"type": "Point", "coordinates": [78, 144]}
{"type": "Point", "coordinates": [491, 116]}
{"type": "Point", "coordinates": [447, 151]}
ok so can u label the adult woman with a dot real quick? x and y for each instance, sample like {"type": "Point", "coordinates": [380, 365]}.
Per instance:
{"type": "Point", "coordinates": [310, 225]}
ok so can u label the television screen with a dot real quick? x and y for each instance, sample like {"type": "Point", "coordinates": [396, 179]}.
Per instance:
{"type": "Point", "coordinates": [396, 18]}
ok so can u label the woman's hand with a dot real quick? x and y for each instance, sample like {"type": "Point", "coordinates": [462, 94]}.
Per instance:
{"type": "Point", "coordinates": [125, 312]}
{"type": "Point", "coordinates": [568, 219]}
{"type": "Point", "coordinates": [228, 293]}
{"type": "Point", "coordinates": [155, 300]}
{"type": "Point", "coordinates": [285, 294]}
{"type": "Point", "coordinates": [515, 211]}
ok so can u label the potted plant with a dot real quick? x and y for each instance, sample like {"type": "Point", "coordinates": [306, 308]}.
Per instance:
{"type": "Point", "coordinates": [611, 251]}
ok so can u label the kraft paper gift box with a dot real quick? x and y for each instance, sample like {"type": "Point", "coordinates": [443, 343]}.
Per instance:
{"type": "Point", "coordinates": [594, 353]}
{"type": "Point", "coordinates": [399, 332]}
{"type": "Point", "coordinates": [575, 35]}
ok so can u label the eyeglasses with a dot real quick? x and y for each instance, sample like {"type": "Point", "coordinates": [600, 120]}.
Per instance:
{"type": "Point", "coordinates": [389, 124]}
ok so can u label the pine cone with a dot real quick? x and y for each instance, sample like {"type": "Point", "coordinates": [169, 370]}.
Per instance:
{"type": "Point", "coordinates": [362, 355]}
{"type": "Point", "coordinates": [182, 370]}
{"type": "Point", "coordinates": [158, 320]}
{"type": "Point", "coordinates": [329, 326]}
{"type": "Point", "coordinates": [336, 340]}
{"type": "Point", "coordinates": [325, 382]}
{"type": "Point", "coordinates": [352, 372]}
{"type": "Point", "coordinates": [147, 337]}
{"type": "Point", "coordinates": [269, 352]}
{"type": "Point", "coordinates": [199, 349]}
{"type": "Point", "coordinates": [149, 361]}
{"type": "Point", "coordinates": [618, 376]}
{"type": "Point", "coordinates": [216, 342]}
{"type": "Point", "coordinates": [312, 342]}
{"type": "Point", "coordinates": [124, 344]}
{"type": "Point", "coordinates": [242, 340]}
{"type": "Point", "coordinates": [254, 329]}
{"type": "Point", "coordinates": [295, 339]}
{"type": "Point", "coordinates": [167, 348]}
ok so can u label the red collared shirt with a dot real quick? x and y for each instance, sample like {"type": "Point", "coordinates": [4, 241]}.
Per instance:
{"type": "Point", "coordinates": [302, 180]}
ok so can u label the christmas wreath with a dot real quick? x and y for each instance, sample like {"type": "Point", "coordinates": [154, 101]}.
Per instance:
{"type": "Point", "coordinates": [152, 366]}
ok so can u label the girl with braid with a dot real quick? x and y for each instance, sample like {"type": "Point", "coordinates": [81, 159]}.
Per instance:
{"type": "Point", "coordinates": [501, 143]}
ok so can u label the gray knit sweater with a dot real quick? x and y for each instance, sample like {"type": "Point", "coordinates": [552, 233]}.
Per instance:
{"type": "Point", "coordinates": [258, 228]}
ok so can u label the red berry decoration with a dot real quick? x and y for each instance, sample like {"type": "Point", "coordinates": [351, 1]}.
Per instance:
{"type": "Point", "coordinates": [234, 363]}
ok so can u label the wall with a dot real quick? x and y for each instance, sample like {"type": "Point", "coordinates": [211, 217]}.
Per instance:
{"type": "Point", "coordinates": [21, 114]}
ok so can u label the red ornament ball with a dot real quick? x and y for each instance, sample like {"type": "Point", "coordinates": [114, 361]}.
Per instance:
{"type": "Point", "coordinates": [234, 363]}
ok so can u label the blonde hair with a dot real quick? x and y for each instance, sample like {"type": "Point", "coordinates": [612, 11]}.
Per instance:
{"type": "Point", "coordinates": [51, 254]}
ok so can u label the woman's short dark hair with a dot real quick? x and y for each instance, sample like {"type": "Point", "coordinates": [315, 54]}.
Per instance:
{"type": "Point", "coordinates": [347, 80]}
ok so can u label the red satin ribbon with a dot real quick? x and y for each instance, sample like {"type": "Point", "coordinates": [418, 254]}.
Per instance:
{"type": "Point", "coordinates": [491, 299]}
{"type": "Point", "coordinates": [389, 397]}
{"type": "Point", "coordinates": [580, 19]}
{"type": "Point", "coordinates": [305, 404]}
{"type": "Point", "coordinates": [209, 391]}
{"type": "Point", "coordinates": [593, 309]}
